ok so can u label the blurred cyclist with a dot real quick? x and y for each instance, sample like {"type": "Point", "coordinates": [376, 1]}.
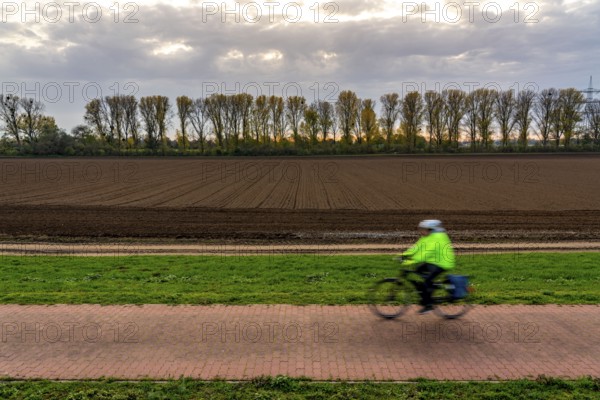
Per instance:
{"type": "Point", "coordinates": [433, 254]}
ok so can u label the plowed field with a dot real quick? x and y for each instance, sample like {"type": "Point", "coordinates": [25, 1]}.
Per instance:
{"type": "Point", "coordinates": [541, 197]}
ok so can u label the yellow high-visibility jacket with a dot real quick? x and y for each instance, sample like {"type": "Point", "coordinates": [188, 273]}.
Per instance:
{"type": "Point", "coordinates": [435, 248]}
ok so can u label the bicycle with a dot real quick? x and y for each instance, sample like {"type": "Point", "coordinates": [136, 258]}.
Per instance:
{"type": "Point", "coordinates": [390, 298]}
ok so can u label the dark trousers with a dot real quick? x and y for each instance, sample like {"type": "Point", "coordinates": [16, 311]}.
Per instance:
{"type": "Point", "coordinates": [431, 272]}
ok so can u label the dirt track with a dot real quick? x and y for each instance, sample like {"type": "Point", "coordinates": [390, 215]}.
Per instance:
{"type": "Point", "coordinates": [139, 249]}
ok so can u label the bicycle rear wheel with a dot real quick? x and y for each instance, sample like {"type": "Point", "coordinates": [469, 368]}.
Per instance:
{"type": "Point", "coordinates": [448, 307]}
{"type": "Point", "coordinates": [390, 298]}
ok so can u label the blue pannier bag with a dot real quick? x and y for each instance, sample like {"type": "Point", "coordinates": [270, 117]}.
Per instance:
{"type": "Point", "coordinates": [460, 283]}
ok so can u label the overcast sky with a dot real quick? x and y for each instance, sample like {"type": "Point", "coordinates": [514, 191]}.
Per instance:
{"type": "Point", "coordinates": [319, 48]}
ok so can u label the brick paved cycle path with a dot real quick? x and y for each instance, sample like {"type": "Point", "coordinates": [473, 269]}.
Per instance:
{"type": "Point", "coordinates": [320, 342]}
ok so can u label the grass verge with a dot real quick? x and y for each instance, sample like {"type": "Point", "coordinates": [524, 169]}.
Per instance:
{"type": "Point", "coordinates": [533, 278]}
{"type": "Point", "coordinates": [281, 387]}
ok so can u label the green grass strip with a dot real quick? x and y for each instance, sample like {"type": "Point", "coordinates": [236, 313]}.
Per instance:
{"type": "Point", "coordinates": [533, 278]}
{"type": "Point", "coordinates": [286, 388]}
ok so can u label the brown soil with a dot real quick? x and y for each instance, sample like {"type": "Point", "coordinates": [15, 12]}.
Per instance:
{"type": "Point", "coordinates": [248, 226]}
{"type": "Point", "coordinates": [307, 200]}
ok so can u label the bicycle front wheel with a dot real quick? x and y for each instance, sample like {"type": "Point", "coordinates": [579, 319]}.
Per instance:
{"type": "Point", "coordinates": [390, 298]}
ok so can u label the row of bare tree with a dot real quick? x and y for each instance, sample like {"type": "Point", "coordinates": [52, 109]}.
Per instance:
{"type": "Point", "coordinates": [445, 119]}
{"type": "Point", "coordinates": [23, 119]}
{"type": "Point", "coordinates": [228, 119]}
{"type": "Point", "coordinates": [448, 118]}
{"type": "Point", "coordinates": [485, 114]}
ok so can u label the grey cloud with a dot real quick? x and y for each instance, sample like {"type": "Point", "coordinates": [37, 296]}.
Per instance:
{"type": "Point", "coordinates": [371, 56]}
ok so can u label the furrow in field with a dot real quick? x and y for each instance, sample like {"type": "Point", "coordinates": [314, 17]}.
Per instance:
{"type": "Point", "coordinates": [480, 183]}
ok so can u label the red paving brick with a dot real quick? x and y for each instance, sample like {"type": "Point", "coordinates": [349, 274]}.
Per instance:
{"type": "Point", "coordinates": [320, 342]}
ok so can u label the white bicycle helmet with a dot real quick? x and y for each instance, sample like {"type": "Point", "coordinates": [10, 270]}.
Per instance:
{"type": "Point", "coordinates": [430, 224]}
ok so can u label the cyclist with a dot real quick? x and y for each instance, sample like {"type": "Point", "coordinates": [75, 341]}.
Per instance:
{"type": "Point", "coordinates": [433, 254]}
